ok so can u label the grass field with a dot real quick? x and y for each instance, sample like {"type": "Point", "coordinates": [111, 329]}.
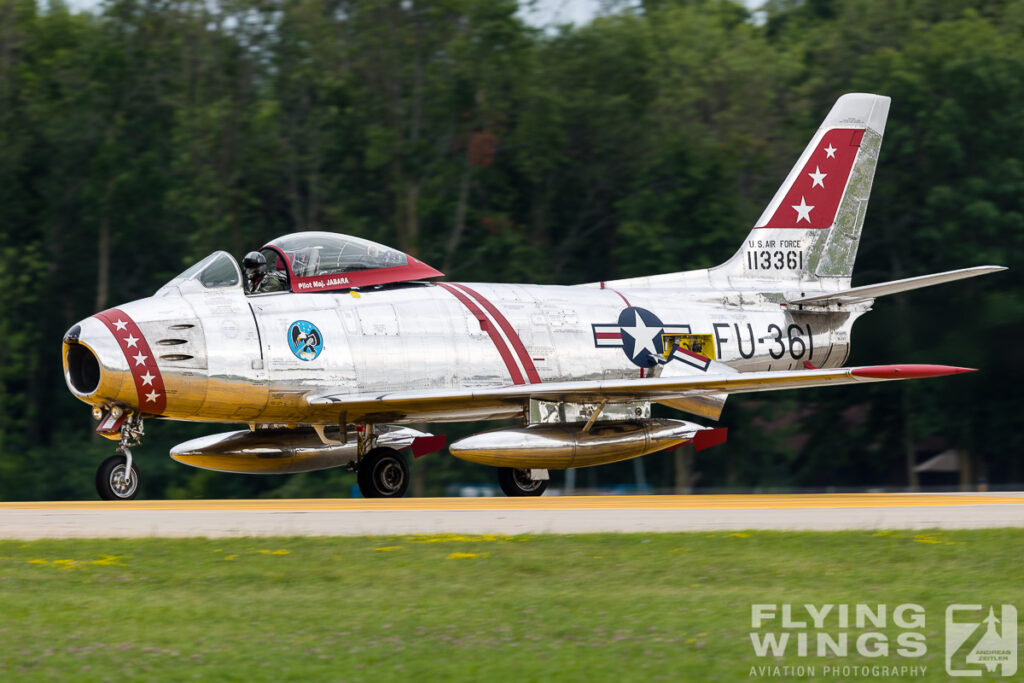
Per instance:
{"type": "Point", "coordinates": [584, 608]}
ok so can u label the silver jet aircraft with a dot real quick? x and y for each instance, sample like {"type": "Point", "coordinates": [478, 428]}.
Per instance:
{"type": "Point", "coordinates": [327, 344]}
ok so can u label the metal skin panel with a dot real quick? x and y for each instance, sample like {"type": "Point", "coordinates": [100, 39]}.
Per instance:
{"type": "Point", "coordinates": [434, 352]}
{"type": "Point", "coordinates": [233, 352]}
{"type": "Point", "coordinates": [217, 374]}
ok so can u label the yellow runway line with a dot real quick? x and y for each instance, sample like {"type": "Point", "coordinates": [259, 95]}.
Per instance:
{"type": "Point", "coordinates": [700, 502]}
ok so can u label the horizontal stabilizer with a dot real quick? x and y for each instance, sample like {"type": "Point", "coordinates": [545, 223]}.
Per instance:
{"type": "Point", "coordinates": [855, 295]}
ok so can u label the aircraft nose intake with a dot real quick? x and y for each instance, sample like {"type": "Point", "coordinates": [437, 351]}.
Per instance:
{"type": "Point", "coordinates": [82, 365]}
{"type": "Point", "coordinates": [83, 369]}
{"type": "Point", "coordinates": [95, 368]}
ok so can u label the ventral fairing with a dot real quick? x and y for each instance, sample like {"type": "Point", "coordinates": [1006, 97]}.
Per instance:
{"type": "Point", "coordinates": [328, 344]}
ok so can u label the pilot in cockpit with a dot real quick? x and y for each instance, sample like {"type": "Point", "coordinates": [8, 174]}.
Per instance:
{"type": "Point", "coordinates": [258, 278]}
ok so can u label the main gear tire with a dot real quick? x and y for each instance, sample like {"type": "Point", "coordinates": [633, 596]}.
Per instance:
{"type": "Point", "coordinates": [383, 473]}
{"type": "Point", "coordinates": [517, 482]}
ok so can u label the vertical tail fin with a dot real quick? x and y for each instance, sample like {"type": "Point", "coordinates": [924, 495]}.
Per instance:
{"type": "Point", "coordinates": [808, 234]}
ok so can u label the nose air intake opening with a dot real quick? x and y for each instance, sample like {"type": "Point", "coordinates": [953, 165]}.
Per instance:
{"type": "Point", "coordinates": [83, 369]}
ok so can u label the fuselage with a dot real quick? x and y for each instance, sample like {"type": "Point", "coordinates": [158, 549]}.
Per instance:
{"type": "Point", "coordinates": [222, 355]}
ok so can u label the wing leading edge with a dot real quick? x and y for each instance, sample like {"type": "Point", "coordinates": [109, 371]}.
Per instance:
{"type": "Point", "coordinates": [464, 403]}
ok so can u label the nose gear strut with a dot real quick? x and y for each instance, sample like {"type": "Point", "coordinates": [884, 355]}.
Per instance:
{"type": "Point", "coordinates": [131, 436]}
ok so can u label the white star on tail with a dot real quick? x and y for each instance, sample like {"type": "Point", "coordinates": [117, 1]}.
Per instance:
{"type": "Point", "coordinates": [140, 359]}
{"type": "Point", "coordinates": [830, 151]}
{"type": "Point", "coordinates": [120, 325]}
{"type": "Point", "coordinates": [642, 336]}
{"type": "Point", "coordinates": [818, 177]}
{"type": "Point", "coordinates": [131, 341]}
{"type": "Point", "coordinates": [152, 396]}
{"type": "Point", "coordinates": [147, 379]}
{"type": "Point", "coordinates": [803, 212]}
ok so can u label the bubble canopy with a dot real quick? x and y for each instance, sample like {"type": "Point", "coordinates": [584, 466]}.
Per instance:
{"type": "Point", "coordinates": [322, 261]}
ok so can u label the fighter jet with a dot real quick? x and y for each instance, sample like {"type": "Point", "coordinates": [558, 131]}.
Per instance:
{"type": "Point", "coordinates": [328, 344]}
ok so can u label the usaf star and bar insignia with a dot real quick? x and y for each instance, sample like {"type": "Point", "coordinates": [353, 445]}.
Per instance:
{"type": "Point", "coordinates": [648, 342]}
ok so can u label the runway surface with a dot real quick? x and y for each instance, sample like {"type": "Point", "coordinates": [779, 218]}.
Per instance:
{"type": "Point", "coordinates": [568, 514]}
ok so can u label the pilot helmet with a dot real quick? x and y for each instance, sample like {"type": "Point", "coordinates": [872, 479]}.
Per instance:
{"type": "Point", "coordinates": [255, 265]}
{"type": "Point", "coordinates": [255, 262]}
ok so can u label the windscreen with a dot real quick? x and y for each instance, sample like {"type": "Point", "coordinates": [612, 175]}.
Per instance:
{"type": "Point", "coordinates": [222, 271]}
{"type": "Point", "coordinates": [216, 270]}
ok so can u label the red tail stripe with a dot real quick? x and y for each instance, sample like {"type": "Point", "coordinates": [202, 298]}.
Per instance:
{"type": "Point", "coordinates": [499, 343]}
{"type": "Point", "coordinates": [820, 196]}
{"type": "Point", "coordinates": [506, 327]}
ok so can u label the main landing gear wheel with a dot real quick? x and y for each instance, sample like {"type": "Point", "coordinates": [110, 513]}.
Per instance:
{"type": "Point", "coordinates": [383, 473]}
{"type": "Point", "coordinates": [111, 482]}
{"type": "Point", "coordinates": [516, 482]}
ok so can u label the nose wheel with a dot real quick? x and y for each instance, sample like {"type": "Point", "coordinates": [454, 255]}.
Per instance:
{"type": "Point", "coordinates": [117, 479]}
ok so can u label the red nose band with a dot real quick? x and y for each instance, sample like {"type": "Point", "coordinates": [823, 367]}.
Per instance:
{"type": "Point", "coordinates": [149, 383]}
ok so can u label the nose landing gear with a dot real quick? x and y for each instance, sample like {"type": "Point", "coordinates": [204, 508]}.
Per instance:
{"type": "Point", "coordinates": [117, 478]}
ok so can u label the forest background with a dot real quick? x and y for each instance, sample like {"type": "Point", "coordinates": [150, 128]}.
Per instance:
{"type": "Point", "coordinates": [140, 135]}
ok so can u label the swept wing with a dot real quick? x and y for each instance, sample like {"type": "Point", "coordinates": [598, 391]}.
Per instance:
{"type": "Point", "coordinates": [450, 404]}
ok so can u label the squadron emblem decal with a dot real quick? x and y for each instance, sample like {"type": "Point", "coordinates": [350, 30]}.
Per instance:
{"type": "Point", "coordinates": [305, 340]}
{"type": "Point", "coordinates": [643, 337]}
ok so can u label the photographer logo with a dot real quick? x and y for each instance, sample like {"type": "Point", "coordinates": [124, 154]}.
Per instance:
{"type": "Point", "coordinates": [980, 643]}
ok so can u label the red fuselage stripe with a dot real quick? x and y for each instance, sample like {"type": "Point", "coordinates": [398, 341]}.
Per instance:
{"type": "Point", "coordinates": [149, 383]}
{"type": "Point", "coordinates": [499, 343]}
{"type": "Point", "coordinates": [620, 295]}
{"type": "Point", "coordinates": [506, 327]}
